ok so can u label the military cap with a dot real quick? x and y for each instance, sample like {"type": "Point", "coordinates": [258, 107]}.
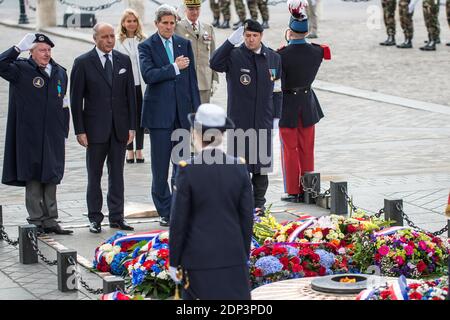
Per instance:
{"type": "Point", "coordinates": [210, 116]}
{"type": "Point", "coordinates": [42, 38]}
{"type": "Point", "coordinates": [252, 25]}
{"type": "Point", "coordinates": [297, 25]}
{"type": "Point", "coordinates": [192, 3]}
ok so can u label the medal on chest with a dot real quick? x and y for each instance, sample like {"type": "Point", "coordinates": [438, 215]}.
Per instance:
{"type": "Point", "coordinates": [38, 82]}
{"type": "Point", "coordinates": [273, 74]}
{"type": "Point", "coordinates": [245, 79]}
{"type": "Point", "coordinates": [58, 87]}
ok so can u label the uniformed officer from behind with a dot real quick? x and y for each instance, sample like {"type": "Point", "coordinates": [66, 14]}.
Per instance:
{"type": "Point", "coordinates": [37, 126]}
{"type": "Point", "coordinates": [203, 43]}
{"type": "Point", "coordinates": [252, 72]}
{"type": "Point", "coordinates": [212, 208]}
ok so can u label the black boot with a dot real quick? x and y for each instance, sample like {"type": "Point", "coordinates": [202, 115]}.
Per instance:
{"type": "Point", "coordinates": [240, 24]}
{"type": "Point", "coordinates": [216, 22]}
{"type": "Point", "coordinates": [405, 45]}
{"type": "Point", "coordinates": [430, 46]}
{"type": "Point", "coordinates": [448, 44]}
{"type": "Point", "coordinates": [390, 41]}
{"type": "Point", "coordinates": [225, 24]}
{"type": "Point", "coordinates": [438, 40]}
{"type": "Point", "coordinates": [265, 24]}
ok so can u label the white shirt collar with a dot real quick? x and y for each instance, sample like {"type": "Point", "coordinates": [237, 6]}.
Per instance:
{"type": "Point", "coordinates": [197, 23]}
{"type": "Point", "coordinates": [101, 54]}
{"type": "Point", "coordinates": [164, 39]}
{"type": "Point", "coordinates": [258, 51]}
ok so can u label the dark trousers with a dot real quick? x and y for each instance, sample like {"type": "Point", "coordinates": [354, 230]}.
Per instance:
{"type": "Point", "coordinates": [260, 184]}
{"type": "Point", "coordinates": [160, 152]}
{"type": "Point", "coordinates": [229, 283]}
{"type": "Point", "coordinates": [114, 153]}
{"type": "Point", "coordinates": [139, 137]}
{"type": "Point", "coordinates": [40, 201]}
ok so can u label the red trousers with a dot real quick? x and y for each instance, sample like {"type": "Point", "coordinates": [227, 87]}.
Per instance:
{"type": "Point", "coordinates": [297, 155]}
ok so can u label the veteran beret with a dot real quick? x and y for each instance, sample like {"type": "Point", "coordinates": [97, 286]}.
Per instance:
{"type": "Point", "coordinates": [42, 38]}
{"type": "Point", "coordinates": [252, 25]}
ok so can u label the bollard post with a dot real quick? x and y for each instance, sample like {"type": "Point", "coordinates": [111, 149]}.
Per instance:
{"type": "Point", "coordinates": [27, 254]}
{"type": "Point", "coordinates": [311, 180]}
{"type": "Point", "coordinates": [339, 204]}
{"type": "Point", "coordinates": [67, 280]}
{"type": "Point", "coordinates": [111, 283]}
{"type": "Point", "coordinates": [391, 211]}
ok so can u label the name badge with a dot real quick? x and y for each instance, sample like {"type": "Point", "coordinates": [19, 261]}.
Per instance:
{"type": "Point", "coordinates": [245, 70]}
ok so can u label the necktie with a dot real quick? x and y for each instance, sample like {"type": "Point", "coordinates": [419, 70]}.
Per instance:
{"type": "Point", "coordinates": [108, 69]}
{"type": "Point", "coordinates": [194, 27]}
{"type": "Point", "coordinates": [169, 51]}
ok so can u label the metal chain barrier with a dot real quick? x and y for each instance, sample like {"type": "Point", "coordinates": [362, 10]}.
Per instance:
{"type": "Point", "coordinates": [90, 8]}
{"type": "Point", "coordinates": [80, 278]}
{"type": "Point", "coordinates": [412, 225]}
{"type": "Point", "coordinates": [4, 236]}
{"type": "Point", "coordinates": [348, 199]}
{"type": "Point", "coordinates": [314, 193]}
{"type": "Point", "coordinates": [33, 240]}
{"type": "Point", "coordinates": [379, 213]}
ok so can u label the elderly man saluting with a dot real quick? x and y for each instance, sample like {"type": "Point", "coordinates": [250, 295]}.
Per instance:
{"type": "Point", "coordinates": [38, 123]}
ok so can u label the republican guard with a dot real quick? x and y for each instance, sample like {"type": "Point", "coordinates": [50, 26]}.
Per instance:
{"type": "Point", "coordinates": [301, 109]}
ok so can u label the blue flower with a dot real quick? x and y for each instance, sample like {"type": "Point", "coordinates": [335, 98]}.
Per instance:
{"type": "Point", "coordinates": [135, 252]}
{"type": "Point", "coordinates": [292, 251]}
{"type": "Point", "coordinates": [156, 269]}
{"type": "Point", "coordinates": [268, 265]}
{"type": "Point", "coordinates": [119, 234]}
{"type": "Point", "coordinates": [327, 259]}
{"type": "Point", "coordinates": [117, 267]}
{"type": "Point", "coordinates": [137, 277]}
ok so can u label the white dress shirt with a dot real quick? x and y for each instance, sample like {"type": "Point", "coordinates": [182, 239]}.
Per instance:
{"type": "Point", "coordinates": [177, 70]}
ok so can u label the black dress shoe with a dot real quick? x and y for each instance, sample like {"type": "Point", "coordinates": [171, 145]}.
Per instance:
{"type": "Point", "coordinates": [390, 41]}
{"type": "Point", "coordinates": [121, 224]}
{"type": "Point", "coordinates": [57, 230]}
{"type": "Point", "coordinates": [130, 160]}
{"type": "Point", "coordinates": [438, 41]}
{"type": "Point", "coordinates": [164, 222]}
{"type": "Point", "coordinates": [140, 160]}
{"type": "Point", "coordinates": [95, 227]}
{"type": "Point", "coordinates": [448, 44]}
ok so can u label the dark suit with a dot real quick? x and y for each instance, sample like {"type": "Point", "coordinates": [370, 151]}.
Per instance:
{"type": "Point", "coordinates": [105, 113]}
{"type": "Point", "coordinates": [211, 228]}
{"type": "Point", "coordinates": [168, 99]}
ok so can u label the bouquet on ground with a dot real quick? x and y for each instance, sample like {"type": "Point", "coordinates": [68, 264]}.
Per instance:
{"type": "Point", "coordinates": [402, 251]}
{"type": "Point", "coordinates": [148, 269]}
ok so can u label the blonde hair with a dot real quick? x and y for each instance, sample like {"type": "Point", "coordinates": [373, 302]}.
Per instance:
{"type": "Point", "coordinates": [122, 32]}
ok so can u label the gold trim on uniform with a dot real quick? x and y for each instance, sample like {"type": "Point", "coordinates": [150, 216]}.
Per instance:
{"type": "Point", "coordinates": [182, 163]}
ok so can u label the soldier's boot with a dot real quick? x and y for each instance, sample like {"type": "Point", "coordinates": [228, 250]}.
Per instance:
{"type": "Point", "coordinates": [390, 41]}
{"type": "Point", "coordinates": [438, 40]}
{"type": "Point", "coordinates": [448, 44]}
{"type": "Point", "coordinates": [225, 24]}
{"type": "Point", "coordinates": [405, 45]}
{"type": "Point", "coordinates": [236, 23]}
{"type": "Point", "coordinates": [216, 22]}
{"type": "Point", "coordinates": [430, 46]}
{"type": "Point", "coordinates": [265, 24]}
{"type": "Point", "coordinates": [240, 24]}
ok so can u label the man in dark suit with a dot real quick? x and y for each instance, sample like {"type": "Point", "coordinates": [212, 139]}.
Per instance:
{"type": "Point", "coordinates": [103, 103]}
{"type": "Point", "coordinates": [212, 215]}
{"type": "Point", "coordinates": [301, 109]}
{"type": "Point", "coordinates": [168, 69]}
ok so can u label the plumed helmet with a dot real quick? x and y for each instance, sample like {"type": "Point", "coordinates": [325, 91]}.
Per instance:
{"type": "Point", "coordinates": [297, 8]}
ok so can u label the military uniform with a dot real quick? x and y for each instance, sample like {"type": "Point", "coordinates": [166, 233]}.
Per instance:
{"type": "Point", "coordinates": [240, 10]}
{"type": "Point", "coordinates": [37, 126]}
{"type": "Point", "coordinates": [389, 21]}
{"type": "Point", "coordinates": [313, 19]}
{"type": "Point", "coordinates": [203, 44]}
{"type": "Point", "coordinates": [251, 105]}
{"type": "Point", "coordinates": [431, 17]}
{"type": "Point", "coordinates": [253, 6]}
{"type": "Point", "coordinates": [406, 22]}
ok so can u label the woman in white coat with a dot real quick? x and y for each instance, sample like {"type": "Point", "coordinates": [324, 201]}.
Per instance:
{"type": "Point", "coordinates": [129, 35]}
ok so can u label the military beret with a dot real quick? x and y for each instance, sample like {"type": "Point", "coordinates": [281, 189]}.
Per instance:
{"type": "Point", "coordinates": [297, 25]}
{"type": "Point", "coordinates": [192, 3]}
{"type": "Point", "coordinates": [42, 38]}
{"type": "Point", "coordinates": [252, 25]}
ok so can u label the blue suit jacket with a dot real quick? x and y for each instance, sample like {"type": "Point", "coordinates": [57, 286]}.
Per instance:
{"type": "Point", "coordinates": [167, 93]}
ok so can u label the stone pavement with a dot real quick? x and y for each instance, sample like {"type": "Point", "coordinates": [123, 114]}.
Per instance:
{"type": "Point", "coordinates": [382, 150]}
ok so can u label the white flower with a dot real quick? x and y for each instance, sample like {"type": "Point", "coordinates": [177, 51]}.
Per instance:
{"type": "Point", "coordinates": [164, 235]}
{"type": "Point", "coordinates": [109, 257]}
{"type": "Point", "coordinates": [341, 250]}
{"type": "Point", "coordinates": [106, 247]}
{"type": "Point", "coordinates": [116, 249]}
{"type": "Point", "coordinates": [142, 268]}
{"type": "Point", "coordinates": [163, 275]}
{"type": "Point", "coordinates": [325, 222]}
{"type": "Point", "coordinates": [137, 265]}
{"type": "Point", "coordinates": [308, 233]}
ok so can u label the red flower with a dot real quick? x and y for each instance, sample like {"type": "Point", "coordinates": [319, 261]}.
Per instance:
{"type": "Point", "coordinates": [315, 257]}
{"type": "Point", "coordinates": [421, 266]}
{"type": "Point", "coordinates": [148, 264]}
{"type": "Point", "coordinates": [322, 271]}
{"type": "Point", "coordinates": [278, 250]}
{"type": "Point", "coordinates": [121, 296]}
{"type": "Point", "coordinates": [414, 286]}
{"type": "Point", "coordinates": [385, 294]}
{"type": "Point", "coordinates": [295, 260]}
{"type": "Point", "coordinates": [163, 253]}
{"type": "Point", "coordinates": [297, 268]}
{"type": "Point", "coordinates": [377, 257]}
{"type": "Point", "coordinates": [285, 262]}
{"type": "Point", "coordinates": [257, 272]}
{"type": "Point", "coordinates": [415, 296]}
{"type": "Point", "coordinates": [310, 274]}
{"type": "Point", "coordinates": [325, 232]}
{"type": "Point", "coordinates": [351, 228]}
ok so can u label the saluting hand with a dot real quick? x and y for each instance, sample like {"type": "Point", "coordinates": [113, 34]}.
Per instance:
{"type": "Point", "coordinates": [182, 62]}
{"type": "Point", "coordinates": [27, 42]}
{"type": "Point", "coordinates": [237, 36]}
{"type": "Point", "coordinates": [82, 139]}
{"type": "Point", "coordinates": [130, 136]}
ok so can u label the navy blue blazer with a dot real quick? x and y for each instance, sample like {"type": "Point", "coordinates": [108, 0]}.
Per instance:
{"type": "Point", "coordinates": [167, 94]}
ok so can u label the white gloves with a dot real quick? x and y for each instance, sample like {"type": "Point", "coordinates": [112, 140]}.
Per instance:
{"type": "Point", "coordinates": [275, 123]}
{"type": "Point", "coordinates": [237, 36]}
{"type": "Point", "coordinates": [173, 274]}
{"type": "Point", "coordinates": [27, 42]}
{"type": "Point", "coordinates": [412, 5]}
